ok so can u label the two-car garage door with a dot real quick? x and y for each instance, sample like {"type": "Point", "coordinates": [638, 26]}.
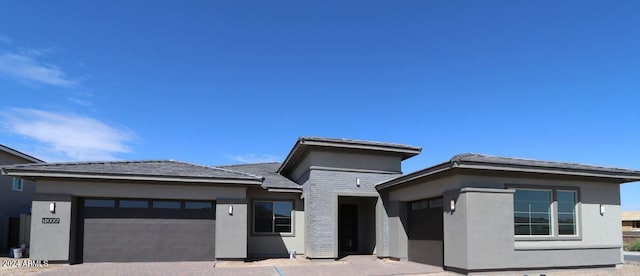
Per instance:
{"type": "Point", "coordinates": [143, 230]}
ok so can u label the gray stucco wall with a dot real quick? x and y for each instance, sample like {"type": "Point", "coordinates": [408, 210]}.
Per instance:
{"type": "Point", "coordinates": [346, 160]}
{"type": "Point", "coordinates": [483, 222]}
{"type": "Point", "coordinates": [12, 203]}
{"type": "Point", "coordinates": [396, 206]}
{"type": "Point", "coordinates": [595, 230]}
{"type": "Point", "coordinates": [260, 245]}
{"type": "Point", "coordinates": [397, 242]}
{"type": "Point", "coordinates": [231, 229]}
{"type": "Point", "coordinates": [52, 242]}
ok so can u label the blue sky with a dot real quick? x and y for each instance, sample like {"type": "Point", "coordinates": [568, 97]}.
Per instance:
{"type": "Point", "coordinates": [222, 82]}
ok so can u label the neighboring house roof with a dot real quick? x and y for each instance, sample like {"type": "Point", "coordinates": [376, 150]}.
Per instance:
{"type": "Point", "coordinates": [631, 216]}
{"type": "Point", "coordinates": [155, 170]}
{"type": "Point", "coordinates": [405, 151]}
{"type": "Point", "coordinates": [496, 163]}
{"type": "Point", "coordinates": [20, 154]}
{"type": "Point", "coordinates": [272, 179]}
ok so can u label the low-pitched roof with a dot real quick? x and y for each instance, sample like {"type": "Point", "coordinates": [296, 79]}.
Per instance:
{"type": "Point", "coordinates": [155, 170]}
{"type": "Point", "coordinates": [405, 151]}
{"type": "Point", "coordinates": [20, 154]}
{"type": "Point", "coordinates": [631, 216]}
{"type": "Point", "coordinates": [497, 163]}
{"type": "Point", "coordinates": [272, 179]}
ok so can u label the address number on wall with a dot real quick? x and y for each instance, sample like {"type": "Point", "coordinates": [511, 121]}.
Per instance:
{"type": "Point", "coordinates": [51, 220]}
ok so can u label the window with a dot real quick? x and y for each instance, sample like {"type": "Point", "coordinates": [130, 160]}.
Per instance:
{"type": "Point", "coordinates": [166, 204]}
{"type": "Point", "coordinates": [426, 203]}
{"type": "Point", "coordinates": [567, 212]}
{"type": "Point", "coordinates": [198, 205]}
{"type": "Point", "coordinates": [435, 203]}
{"type": "Point", "coordinates": [17, 184]}
{"type": "Point", "coordinates": [545, 212]}
{"type": "Point", "coordinates": [271, 217]}
{"type": "Point", "coordinates": [100, 203]}
{"type": "Point", "coordinates": [130, 203]}
{"type": "Point", "coordinates": [532, 212]}
{"type": "Point", "coordinates": [420, 204]}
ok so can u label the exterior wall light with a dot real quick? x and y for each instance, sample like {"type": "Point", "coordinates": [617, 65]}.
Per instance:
{"type": "Point", "coordinates": [602, 209]}
{"type": "Point", "coordinates": [452, 205]}
{"type": "Point", "coordinates": [52, 207]}
{"type": "Point", "coordinates": [231, 210]}
{"type": "Point", "coordinates": [358, 181]}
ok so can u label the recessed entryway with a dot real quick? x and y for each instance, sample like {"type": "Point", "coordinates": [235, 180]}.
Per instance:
{"type": "Point", "coordinates": [356, 225]}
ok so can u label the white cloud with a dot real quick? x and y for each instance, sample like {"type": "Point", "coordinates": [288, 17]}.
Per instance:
{"type": "Point", "coordinates": [254, 158]}
{"type": "Point", "coordinates": [67, 136]}
{"type": "Point", "coordinates": [25, 67]}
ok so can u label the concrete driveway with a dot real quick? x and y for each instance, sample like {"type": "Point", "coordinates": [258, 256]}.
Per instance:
{"type": "Point", "coordinates": [352, 265]}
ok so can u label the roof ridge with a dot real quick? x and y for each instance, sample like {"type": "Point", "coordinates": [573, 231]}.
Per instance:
{"type": "Point", "coordinates": [217, 168]}
{"type": "Point", "coordinates": [228, 170]}
{"type": "Point", "coordinates": [98, 162]}
{"type": "Point", "coordinates": [20, 154]}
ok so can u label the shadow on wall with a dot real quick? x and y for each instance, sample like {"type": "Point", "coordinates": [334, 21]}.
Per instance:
{"type": "Point", "coordinates": [272, 244]}
{"type": "Point", "coordinates": [423, 226]}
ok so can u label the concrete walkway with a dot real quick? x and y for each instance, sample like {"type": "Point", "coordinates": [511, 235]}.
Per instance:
{"type": "Point", "coordinates": [351, 265]}
{"type": "Point", "coordinates": [632, 256]}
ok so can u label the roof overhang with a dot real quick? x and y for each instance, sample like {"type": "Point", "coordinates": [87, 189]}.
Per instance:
{"type": "Point", "coordinates": [608, 174]}
{"type": "Point", "coordinates": [303, 143]}
{"type": "Point", "coordinates": [631, 216]}
{"type": "Point", "coordinates": [128, 177]}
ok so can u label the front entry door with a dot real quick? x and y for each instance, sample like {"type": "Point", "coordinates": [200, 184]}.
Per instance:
{"type": "Point", "coordinates": [348, 228]}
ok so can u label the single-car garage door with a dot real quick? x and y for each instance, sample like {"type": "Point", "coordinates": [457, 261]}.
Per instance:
{"type": "Point", "coordinates": [143, 230]}
{"type": "Point", "coordinates": [426, 232]}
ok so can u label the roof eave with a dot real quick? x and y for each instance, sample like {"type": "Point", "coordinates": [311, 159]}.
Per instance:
{"type": "Point", "coordinates": [20, 154]}
{"type": "Point", "coordinates": [284, 190]}
{"type": "Point", "coordinates": [487, 166]}
{"type": "Point", "coordinates": [405, 151]}
{"type": "Point", "coordinates": [290, 156]}
{"type": "Point", "coordinates": [415, 175]}
{"type": "Point", "coordinates": [619, 176]}
{"type": "Point", "coordinates": [158, 178]}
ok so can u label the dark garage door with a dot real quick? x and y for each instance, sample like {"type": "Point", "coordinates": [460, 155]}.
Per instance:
{"type": "Point", "coordinates": [141, 230]}
{"type": "Point", "coordinates": [425, 231]}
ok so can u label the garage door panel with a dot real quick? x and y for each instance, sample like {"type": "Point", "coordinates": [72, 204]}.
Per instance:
{"type": "Point", "coordinates": [112, 234]}
{"type": "Point", "coordinates": [127, 240]}
{"type": "Point", "coordinates": [425, 231]}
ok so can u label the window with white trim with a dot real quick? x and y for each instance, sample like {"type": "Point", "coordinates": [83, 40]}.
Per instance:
{"type": "Point", "coordinates": [272, 217]}
{"type": "Point", "coordinates": [545, 212]}
{"type": "Point", "coordinates": [18, 185]}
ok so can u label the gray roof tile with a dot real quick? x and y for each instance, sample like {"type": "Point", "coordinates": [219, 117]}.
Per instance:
{"type": "Point", "coordinates": [156, 168]}
{"type": "Point", "coordinates": [272, 179]}
{"type": "Point", "coordinates": [497, 163]}
{"type": "Point", "coordinates": [499, 160]}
